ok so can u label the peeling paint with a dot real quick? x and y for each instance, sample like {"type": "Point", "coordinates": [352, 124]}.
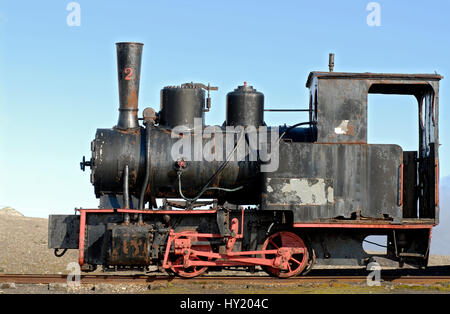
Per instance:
{"type": "Point", "coordinates": [330, 194]}
{"type": "Point", "coordinates": [302, 191]}
{"type": "Point", "coordinates": [342, 128]}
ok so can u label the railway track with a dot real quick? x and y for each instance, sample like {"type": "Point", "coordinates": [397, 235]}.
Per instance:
{"type": "Point", "coordinates": [144, 279]}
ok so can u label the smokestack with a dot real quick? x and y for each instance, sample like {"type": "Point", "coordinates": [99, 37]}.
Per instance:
{"type": "Point", "coordinates": [129, 57]}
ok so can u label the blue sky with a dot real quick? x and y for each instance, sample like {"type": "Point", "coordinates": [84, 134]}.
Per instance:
{"type": "Point", "coordinates": [59, 83]}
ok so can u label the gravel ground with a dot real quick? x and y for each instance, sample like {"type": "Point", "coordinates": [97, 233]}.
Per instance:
{"type": "Point", "coordinates": [223, 288]}
{"type": "Point", "coordinates": [23, 248]}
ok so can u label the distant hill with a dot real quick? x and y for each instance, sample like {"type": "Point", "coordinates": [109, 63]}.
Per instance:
{"type": "Point", "coordinates": [9, 211]}
{"type": "Point", "coordinates": [440, 241]}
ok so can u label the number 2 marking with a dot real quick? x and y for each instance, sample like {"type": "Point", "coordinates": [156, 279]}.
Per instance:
{"type": "Point", "coordinates": [129, 72]}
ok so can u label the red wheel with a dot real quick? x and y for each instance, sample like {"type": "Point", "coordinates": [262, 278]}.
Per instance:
{"type": "Point", "coordinates": [297, 262]}
{"type": "Point", "coordinates": [192, 271]}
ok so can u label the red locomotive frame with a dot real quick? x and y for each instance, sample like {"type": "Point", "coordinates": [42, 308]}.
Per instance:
{"type": "Point", "coordinates": [193, 259]}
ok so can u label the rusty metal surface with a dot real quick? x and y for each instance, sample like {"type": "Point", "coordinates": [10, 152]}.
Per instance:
{"type": "Point", "coordinates": [129, 57]}
{"type": "Point", "coordinates": [63, 231]}
{"type": "Point", "coordinates": [342, 111]}
{"type": "Point", "coordinates": [410, 190]}
{"type": "Point", "coordinates": [358, 180]}
{"type": "Point", "coordinates": [367, 75]}
{"type": "Point", "coordinates": [339, 106]}
{"type": "Point", "coordinates": [130, 244]}
{"type": "Point", "coordinates": [181, 105]}
{"type": "Point", "coordinates": [245, 107]}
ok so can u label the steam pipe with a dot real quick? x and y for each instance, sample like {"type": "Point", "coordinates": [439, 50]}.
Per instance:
{"type": "Point", "coordinates": [148, 125]}
{"type": "Point", "coordinates": [126, 194]}
{"type": "Point", "coordinates": [129, 56]}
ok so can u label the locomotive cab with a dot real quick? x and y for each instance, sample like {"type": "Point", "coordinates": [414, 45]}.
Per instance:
{"type": "Point", "coordinates": [339, 108]}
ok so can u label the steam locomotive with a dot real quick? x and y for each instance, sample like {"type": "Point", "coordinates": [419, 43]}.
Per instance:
{"type": "Point", "coordinates": [188, 197]}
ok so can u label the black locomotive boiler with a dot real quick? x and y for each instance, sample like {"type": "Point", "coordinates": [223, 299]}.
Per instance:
{"type": "Point", "coordinates": [186, 196]}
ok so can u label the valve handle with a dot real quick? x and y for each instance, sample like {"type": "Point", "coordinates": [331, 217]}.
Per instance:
{"type": "Point", "coordinates": [84, 164]}
{"type": "Point", "coordinates": [205, 87]}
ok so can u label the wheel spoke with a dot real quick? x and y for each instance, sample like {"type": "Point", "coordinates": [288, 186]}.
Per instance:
{"type": "Point", "coordinates": [273, 243]}
{"type": "Point", "coordinates": [295, 260]}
